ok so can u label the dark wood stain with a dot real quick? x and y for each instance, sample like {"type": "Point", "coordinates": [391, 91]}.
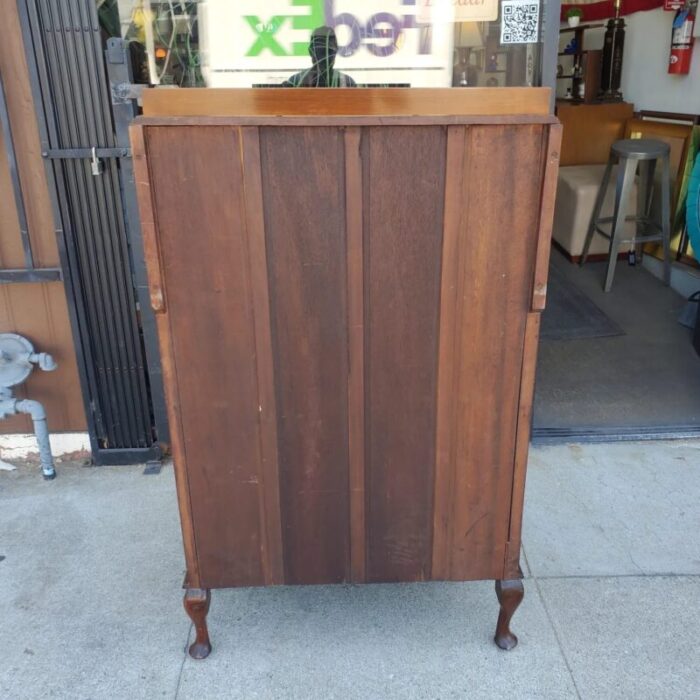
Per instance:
{"type": "Point", "coordinates": [354, 217]}
{"type": "Point", "coordinates": [522, 444]}
{"type": "Point", "coordinates": [208, 302]}
{"type": "Point", "coordinates": [349, 322]}
{"type": "Point", "coordinates": [456, 201]}
{"type": "Point", "coordinates": [484, 337]}
{"type": "Point", "coordinates": [552, 141]}
{"type": "Point", "coordinates": [269, 497]}
{"type": "Point", "coordinates": [304, 206]}
{"type": "Point", "coordinates": [404, 173]}
{"type": "Point", "coordinates": [151, 246]}
{"type": "Point", "coordinates": [348, 316]}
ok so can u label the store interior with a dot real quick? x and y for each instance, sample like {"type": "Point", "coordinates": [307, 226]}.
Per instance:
{"type": "Point", "coordinates": [613, 364]}
{"type": "Point", "coordinates": [624, 363]}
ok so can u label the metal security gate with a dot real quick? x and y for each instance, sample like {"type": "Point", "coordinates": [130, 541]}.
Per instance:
{"type": "Point", "coordinates": [89, 170]}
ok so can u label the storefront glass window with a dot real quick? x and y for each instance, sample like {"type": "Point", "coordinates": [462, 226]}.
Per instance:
{"type": "Point", "coordinates": [407, 43]}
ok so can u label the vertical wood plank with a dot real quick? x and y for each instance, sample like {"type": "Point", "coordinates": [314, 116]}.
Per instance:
{"type": "Point", "coordinates": [15, 75]}
{"type": "Point", "coordinates": [551, 153]}
{"type": "Point", "coordinates": [269, 476]}
{"type": "Point", "coordinates": [147, 214]}
{"type": "Point", "coordinates": [356, 374]}
{"type": "Point", "coordinates": [552, 140]}
{"type": "Point", "coordinates": [12, 424]}
{"type": "Point", "coordinates": [404, 177]}
{"type": "Point", "coordinates": [450, 294]}
{"type": "Point", "coordinates": [11, 252]}
{"type": "Point", "coordinates": [303, 174]}
{"type": "Point", "coordinates": [496, 242]}
{"type": "Point", "coordinates": [522, 444]}
{"type": "Point", "coordinates": [204, 265]}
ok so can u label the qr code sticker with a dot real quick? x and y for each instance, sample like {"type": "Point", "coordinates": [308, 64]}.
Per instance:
{"type": "Point", "coordinates": [519, 22]}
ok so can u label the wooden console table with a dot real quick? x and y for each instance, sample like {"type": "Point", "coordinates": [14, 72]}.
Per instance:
{"type": "Point", "coordinates": [348, 285]}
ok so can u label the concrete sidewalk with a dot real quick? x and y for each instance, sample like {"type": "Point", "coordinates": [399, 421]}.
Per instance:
{"type": "Point", "coordinates": [90, 599]}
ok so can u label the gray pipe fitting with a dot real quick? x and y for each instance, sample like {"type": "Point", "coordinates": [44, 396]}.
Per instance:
{"type": "Point", "coordinates": [17, 359]}
{"type": "Point", "coordinates": [41, 430]}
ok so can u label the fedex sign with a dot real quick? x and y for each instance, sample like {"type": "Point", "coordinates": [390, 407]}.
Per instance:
{"type": "Point", "coordinates": [382, 26]}
{"type": "Point", "coordinates": [378, 42]}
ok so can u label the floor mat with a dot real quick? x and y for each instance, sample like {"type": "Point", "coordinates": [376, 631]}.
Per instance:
{"type": "Point", "coordinates": [570, 314]}
{"type": "Point", "coordinates": [646, 379]}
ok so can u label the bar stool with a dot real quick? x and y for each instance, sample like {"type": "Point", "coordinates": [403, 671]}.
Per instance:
{"type": "Point", "coordinates": [631, 153]}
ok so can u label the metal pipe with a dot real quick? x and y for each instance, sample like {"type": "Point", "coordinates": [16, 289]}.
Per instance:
{"type": "Point", "coordinates": [41, 430]}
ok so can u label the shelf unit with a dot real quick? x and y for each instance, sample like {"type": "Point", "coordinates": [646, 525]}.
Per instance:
{"type": "Point", "coordinates": [586, 66]}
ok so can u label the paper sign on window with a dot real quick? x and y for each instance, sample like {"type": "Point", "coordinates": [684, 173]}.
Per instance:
{"type": "Point", "coordinates": [430, 11]}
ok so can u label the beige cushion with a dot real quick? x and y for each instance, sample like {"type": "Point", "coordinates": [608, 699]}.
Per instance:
{"type": "Point", "coordinates": [576, 194]}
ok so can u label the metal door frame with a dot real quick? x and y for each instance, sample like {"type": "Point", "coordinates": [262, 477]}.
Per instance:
{"type": "Point", "coordinates": [123, 110]}
{"type": "Point", "coordinates": [550, 47]}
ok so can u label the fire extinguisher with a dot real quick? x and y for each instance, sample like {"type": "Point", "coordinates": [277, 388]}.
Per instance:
{"type": "Point", "coordinates": [682, 41]}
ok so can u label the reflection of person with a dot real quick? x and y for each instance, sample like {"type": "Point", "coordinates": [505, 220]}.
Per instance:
{"type": "Point", "coordinates": [322, 49]}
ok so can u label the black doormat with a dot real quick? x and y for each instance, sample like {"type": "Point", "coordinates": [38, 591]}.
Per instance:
{"type": "Point", "coordinates": [571, 315]}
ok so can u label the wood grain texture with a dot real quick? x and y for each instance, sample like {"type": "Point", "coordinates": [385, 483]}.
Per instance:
{"type": "Point", "coordinates": [590, 130]}
{"type": "Point", "coordinates": [522, 445]}
{"type": "Point", "coordinates": [551, 153]}
{"type": "Point", "coordinates": [280, 102]}
{"type": "Point", "coordinates": [354, 208]}
{"type": "Point", "coordinates": [348, 121]}
{"type": "Point", "coordinates": [369, 290]}
{"type": "Point", "coordinates": [404, 177]}
{"type": "Point", "coordinates": [30, 164]}
{"type": "Point", "coordinates": [11, 252]}
{"type": "Point", "coordinates": [269, 497]}
{"type": "Point", "coordinates": [451, 291]}
{"type": "Point", "coordinates": [552, 138]}
{"type": "Point", "coordinates": [303, 191]}
{"type": "Point", "coordinates": [483, 341]}
{"type": "Point", "coordinates": [215, 361]}
{"type": "Point", "coordinates": [150, 236]}
{"type": "Point", "coordinates": [151, 245]}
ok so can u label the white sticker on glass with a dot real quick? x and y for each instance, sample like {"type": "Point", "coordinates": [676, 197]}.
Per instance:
{"type": "Point", "coordinates": [519, 22]}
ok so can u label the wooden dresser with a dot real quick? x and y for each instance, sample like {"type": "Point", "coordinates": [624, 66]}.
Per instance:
{"type": "Point", "coordinates": [348, 285]}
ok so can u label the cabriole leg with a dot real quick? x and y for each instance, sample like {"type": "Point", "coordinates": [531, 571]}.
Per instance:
{"type": "Point", "coordinates": [196, 604]}
{"type": "Point", "coordinates": [510, 595]}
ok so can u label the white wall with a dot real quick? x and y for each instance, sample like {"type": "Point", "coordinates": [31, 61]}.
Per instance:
{"type": "Point", "coordinates": [645, 79]}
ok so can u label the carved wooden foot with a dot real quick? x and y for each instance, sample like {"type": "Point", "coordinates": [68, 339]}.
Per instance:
{"type": "Point", "coordinates": [196, 604]}
{"type": "Point", "coordinates": [510, 595]}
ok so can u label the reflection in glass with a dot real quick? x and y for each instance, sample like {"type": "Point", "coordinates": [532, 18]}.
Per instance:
{"type": "Point", "coordinates": [323, 49]}
{"type": "Point", "coordinates": [244, 43]}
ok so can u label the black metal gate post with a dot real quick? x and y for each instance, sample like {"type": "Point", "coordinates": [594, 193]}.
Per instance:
{"type": "Point", "coordinates": [124, 110]}
{"type": "Point", "coordinates": [84, 160]}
